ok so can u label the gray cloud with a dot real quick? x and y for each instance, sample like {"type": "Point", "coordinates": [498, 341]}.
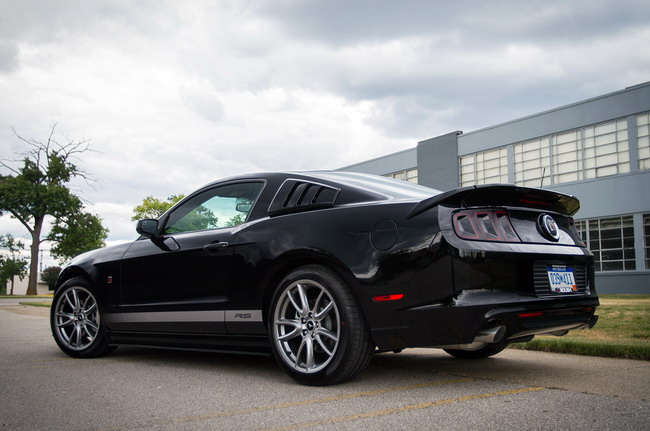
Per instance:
{"type": "Point", "coordinates": [8, 56]}
{"type": "Point", "coordinates": [341, 22]}
{"type": "Point", "coordinates": [177, 94]}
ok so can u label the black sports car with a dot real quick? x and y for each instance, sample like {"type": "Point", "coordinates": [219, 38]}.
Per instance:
{"type": "Point", "coordinates": [325, 268]}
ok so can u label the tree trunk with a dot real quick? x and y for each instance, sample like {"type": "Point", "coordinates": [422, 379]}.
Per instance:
{"type": "Point", "coordinates": [33, 264]}
{"type": "Point", "coordinates": [12, 285]}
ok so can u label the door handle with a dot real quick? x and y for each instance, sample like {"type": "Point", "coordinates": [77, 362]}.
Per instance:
{"type": "Point", "coordinates": [216, 246]}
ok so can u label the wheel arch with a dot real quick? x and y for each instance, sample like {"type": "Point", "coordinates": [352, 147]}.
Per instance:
{"type": "Point", "coordinates": [69, 273]}
{"type": "Point", "coordinates": [295, 259]}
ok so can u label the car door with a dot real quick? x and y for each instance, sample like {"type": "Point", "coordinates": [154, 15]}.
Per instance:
{"type": "Point", "coordinates": [180, 279]}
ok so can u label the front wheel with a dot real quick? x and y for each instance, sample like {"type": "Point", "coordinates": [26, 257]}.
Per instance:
{"type": "Point", "coordinates": [75, 320]}
{"type": "Point", "coordinates": [318, 334]}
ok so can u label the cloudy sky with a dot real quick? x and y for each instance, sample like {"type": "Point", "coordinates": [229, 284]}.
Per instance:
{"type": "Point", "coordinates": [174, 94]}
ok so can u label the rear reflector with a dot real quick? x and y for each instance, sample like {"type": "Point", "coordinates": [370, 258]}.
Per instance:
{"type": "Point", "coordinates": [485, 225]}
{"type": "Point", "coordinates": [394, 297]}
{"type": "Point", "coordinates": [536, 314]}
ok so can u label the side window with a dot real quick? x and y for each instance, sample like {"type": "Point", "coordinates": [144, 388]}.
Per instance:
{"type": "Point", "coordinates": [216, 208]}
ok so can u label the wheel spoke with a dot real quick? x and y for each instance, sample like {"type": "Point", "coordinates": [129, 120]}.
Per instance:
{"type": "Point", "coordinates": [93, 326]}
{"type": "Point", "coordinates": [324, 312]}
{"type": "Point", "coordinates": [90, 334]}
{"type": "Point", "coordinates": [329, 334]}
{"type": "Point", "coordinates": [317, 302]}
{"type": "Point", "coordinates": [304, 310]}
{"type": "Point", "coordinates": [77, 304]}
{"type": "Point", "coordinates": [323, 346]}
{"type": "Point", "coordinates": [67, 298]}
{"type": "Point", "coordinates": [309, 352]}
{"type": "Point", "coordinates": [291, 323]}
{"type": "Point", "coordinates": [90, 309]}
{"type": "Point", "coordinates": [79, 339]}
{"type": "Point", "coordinates": [68, 322]}
{"type": "Point", "coordinates": [293, 301]}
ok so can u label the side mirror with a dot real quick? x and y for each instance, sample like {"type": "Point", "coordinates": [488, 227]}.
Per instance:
{"type": "Point", "coordinates": [147, 228]}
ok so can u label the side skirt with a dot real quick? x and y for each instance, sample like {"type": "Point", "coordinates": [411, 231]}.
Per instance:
{"type": "Point", "coordinates": [242, 344]}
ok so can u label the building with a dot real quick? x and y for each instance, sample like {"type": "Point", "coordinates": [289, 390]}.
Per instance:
{"type": "Point", "coordinates": [20, 287]}
{"type": "Point", "coordinates": [597, 149]}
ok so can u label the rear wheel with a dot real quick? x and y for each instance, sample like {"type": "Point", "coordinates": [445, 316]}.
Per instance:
{"type": "Point", "coordinates": [489, 349]}
{"type": "Point", "coordinates": [75, 320]}
{"type": "Point", "coordinates": [318, 334]}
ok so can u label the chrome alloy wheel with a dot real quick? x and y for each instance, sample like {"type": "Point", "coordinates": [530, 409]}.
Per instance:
{"type": "Point", "coordinates": [76, 318]}
{"type": "Point", "coordinates": [306, 328]}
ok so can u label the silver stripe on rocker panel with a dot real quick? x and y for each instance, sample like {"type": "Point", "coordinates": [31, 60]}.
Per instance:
{"type": "Point", "coordinates": [185, 316]}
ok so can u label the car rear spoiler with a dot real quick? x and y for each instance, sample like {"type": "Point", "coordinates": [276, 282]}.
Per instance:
{"type": "Point", "coordinates": [501, 195]}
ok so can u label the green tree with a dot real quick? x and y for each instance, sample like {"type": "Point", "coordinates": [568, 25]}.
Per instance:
{"type": "Point", "coordinates": [236, 220]}
{"type": "Point", "coordinates": [50, 275]}
{"type": "Point", "coordinates": [39, 187]}
{"type": "Point", "coordinates": [200, 218]}
{"type": "Point", "coordinates": [153, 208]}
{"type": "Point", "coordinates": [77, 233]}
{"type": "Point", "coordinates": [11, 263]}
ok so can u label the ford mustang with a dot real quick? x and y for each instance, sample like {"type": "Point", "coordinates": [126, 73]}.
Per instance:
{"type": "Point", "coordinates": [323, 269]}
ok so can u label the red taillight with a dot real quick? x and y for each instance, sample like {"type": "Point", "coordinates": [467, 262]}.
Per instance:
{"type": "Point", "coordinates": [393, 297]}
{"type": "Point", "coordinates": [486, 225]}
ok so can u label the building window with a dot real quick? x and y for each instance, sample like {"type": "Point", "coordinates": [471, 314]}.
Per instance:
{"type": "Point", "coordinates": [606, 150]}
{"type": "Point", "coordinates": [611, 240]}
{"type": "Point", "coordinates": [646, 239]}
{"type": "Point", "coordinates": [533, 162]}
{"type": "Point", "coordinates": [588, 152]}
{"type": "Point", "coordinates": [486, 167]}
{"type": "Point", "coordinates": [643, 140]}
{"type": "Point", "coordinates": [567, 156]}
{"type": "Point", "coordinates": [410, 175]}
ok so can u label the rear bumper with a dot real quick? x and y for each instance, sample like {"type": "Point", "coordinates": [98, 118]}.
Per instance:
{"type": "Point", "coordinates": [460, 323]}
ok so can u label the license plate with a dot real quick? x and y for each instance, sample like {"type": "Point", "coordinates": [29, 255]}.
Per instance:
{"type": "Point", "coordinates": [561, 279]}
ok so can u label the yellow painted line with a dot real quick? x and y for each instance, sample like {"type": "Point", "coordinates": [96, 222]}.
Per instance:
{"type": "Point", "coordinates": [400, 409]}
{"type": "Point", "coordinates": [293, 404]}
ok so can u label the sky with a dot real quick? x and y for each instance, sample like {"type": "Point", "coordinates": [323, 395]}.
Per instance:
{"type": "Point", "coordinates": [175, 94]}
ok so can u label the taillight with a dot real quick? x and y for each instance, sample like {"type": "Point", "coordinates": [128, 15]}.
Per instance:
{"type": "Point", "coordinates": [484, 225]}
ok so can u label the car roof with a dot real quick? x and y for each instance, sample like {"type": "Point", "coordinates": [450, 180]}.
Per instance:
{"type": "Point", "coordinates": [388, 188]}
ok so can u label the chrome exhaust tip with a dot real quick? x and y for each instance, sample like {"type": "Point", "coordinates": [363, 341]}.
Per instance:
{"type": "Point", "coordinates": [491, 335]}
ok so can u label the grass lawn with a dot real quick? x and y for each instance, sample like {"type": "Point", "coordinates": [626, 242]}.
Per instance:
{"type": "Point", "coordinates": [622, 331]}
{"type": "Point", "coordinates": [37, 304]}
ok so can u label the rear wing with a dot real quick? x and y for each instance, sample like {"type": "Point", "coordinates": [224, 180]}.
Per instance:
{"type": "Point", "coordinates": [501, 195]}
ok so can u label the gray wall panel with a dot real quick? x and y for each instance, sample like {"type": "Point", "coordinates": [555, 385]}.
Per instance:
{"type": "Point", "coordinates": [438, 162]}
{"type": "Point", "coordinates": [399, 161]}
{"type": "Point", "coordinates": [632, 282]}
{"type": "Point", "coordinates": [616, 195]}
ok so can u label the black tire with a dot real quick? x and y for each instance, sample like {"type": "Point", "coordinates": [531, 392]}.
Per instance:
{"type": "Point", "coordinates": [480, 353]}
{"type": "Point", "coordinates": [75, 320]}
{"type": "Point", "coordinates": [317, 332]}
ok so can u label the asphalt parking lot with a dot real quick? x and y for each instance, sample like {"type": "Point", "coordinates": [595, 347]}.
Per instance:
{"type": "Point", "coordinates": [142, 389]}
